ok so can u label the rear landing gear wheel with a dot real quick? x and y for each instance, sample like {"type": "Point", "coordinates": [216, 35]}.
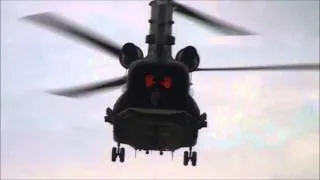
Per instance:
{"type": "Point", "coordinates": [185, 158]}
{"type": "Point", "coordinates": [122, 154]}
{"type": "Point", "coordinates": [194, 158]}
{"type": "Point", "coordinates": [114, 154]}
{"type": "Point", "coordinates": [117, 151]}
{"type": "Point", "coordinates": [191, 155]}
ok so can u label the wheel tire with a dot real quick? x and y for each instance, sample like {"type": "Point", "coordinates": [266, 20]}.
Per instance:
{"type": "Point", "coordinates": [114, 154]}
{"type": "Point", "coordinates": [194, 158]}
{"type": "Point", "coordinates": [185, 158]}
{"type": "Point", "coordinates": [122, 154]}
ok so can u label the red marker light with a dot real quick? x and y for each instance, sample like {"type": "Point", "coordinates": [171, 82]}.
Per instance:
{"type": "Point", "coordinates": [167, 82]}
{"type": "Point", "coordinates": [149, 80]}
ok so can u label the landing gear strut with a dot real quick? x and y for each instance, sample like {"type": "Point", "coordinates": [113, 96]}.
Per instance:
{"type": "Point", "coordinates": [117, 151]}
{"type": "Point", "coordinates": [191, 155]}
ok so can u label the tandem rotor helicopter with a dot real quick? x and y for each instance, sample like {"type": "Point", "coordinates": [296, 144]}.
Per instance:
{"type": "Point", "coordinates": [156, 111]}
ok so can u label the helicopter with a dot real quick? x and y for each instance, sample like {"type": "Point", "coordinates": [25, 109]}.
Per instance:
{"type": "Point", "coordinates": [156, 111]}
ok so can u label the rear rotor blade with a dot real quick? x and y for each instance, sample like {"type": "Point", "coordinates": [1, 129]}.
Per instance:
{"type": "Point", "coordinates": [89, 89]}
{"type": "Point", "coordinates": [222, 26]}
{"type": "Point", "coordinates": [304, 67]}
{"type": "Point", "coordinates": [64, 26]}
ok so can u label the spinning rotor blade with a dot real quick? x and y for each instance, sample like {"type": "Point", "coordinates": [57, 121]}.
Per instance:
{"type": "Point", "coordinates": [222, 26]}
{"type": "Point", "coordinates": [302, 67]}
{"type": "Point", "coordinates": [64, 26]}
{"type": "Point", "coordinates": [89, 89]}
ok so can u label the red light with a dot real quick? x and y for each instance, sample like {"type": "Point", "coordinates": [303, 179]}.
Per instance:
{"type": "Point", "coordinates": [167, 82]}
{"type": "Point", "coordinates": [149, 80]}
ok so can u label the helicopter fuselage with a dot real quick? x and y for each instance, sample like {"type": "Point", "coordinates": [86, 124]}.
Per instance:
{"type": "Point", "coordinates": [156, 112]}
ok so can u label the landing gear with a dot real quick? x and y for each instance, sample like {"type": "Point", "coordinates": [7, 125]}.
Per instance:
{"type": "Point", "coordinates": [190, 156]}
{"type": "Point", "coordinates": [194, 158]}
{"type": "Point", "coordinates": [122, 154]}
{"type": "Point", "coordinates": [117, 151]}
{"type": "Point", "coordinates": [114, 154]}
{"type": "Point", "coordinates": [185, 158]}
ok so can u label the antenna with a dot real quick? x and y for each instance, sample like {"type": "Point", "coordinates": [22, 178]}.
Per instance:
{"type": "Point", "coordinates": [160, 39]}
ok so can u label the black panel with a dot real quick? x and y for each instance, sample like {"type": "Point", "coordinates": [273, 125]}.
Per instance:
{"type": "Point", "coordinates": [173, 98]}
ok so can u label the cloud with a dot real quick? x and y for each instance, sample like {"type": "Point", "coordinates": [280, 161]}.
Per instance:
{"type": "Point", "coordinates": [302, 158]}
{"type": "Point", "coordinates": [299, 158]}
{"type": "Point", "coordinates": [251, 109]}
{"type": "Point", "coordinates": [235, 41]}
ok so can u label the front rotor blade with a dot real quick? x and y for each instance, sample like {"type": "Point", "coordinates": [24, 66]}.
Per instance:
{"type": "Point", "coordinates": [222, 26]}
{"type": "Point", "coordinates": [305, 67]}
{"type": "Point", "coordinates": [89, 89]}
{"type": "Point", "coordinates": [64, 26]}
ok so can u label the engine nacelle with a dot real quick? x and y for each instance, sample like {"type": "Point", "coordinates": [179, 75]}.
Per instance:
{"type": "Point", "coordinates": [189, 57]}
{"type": "Point", "coordinates": [129, 54]}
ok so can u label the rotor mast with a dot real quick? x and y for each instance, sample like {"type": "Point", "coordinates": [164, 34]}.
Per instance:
{"type": "Point", "coordinates": [160, 39]}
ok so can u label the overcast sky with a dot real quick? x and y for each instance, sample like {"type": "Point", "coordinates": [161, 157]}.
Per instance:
{"type": "Point", "coordinates": [261, 124]}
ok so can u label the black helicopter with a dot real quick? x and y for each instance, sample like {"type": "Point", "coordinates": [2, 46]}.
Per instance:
{"type": "Point", "coordinates": [156, 111]}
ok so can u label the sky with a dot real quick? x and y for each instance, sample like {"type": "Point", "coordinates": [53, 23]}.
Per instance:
{"type": "Point", "coordinates": [260, 124]}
